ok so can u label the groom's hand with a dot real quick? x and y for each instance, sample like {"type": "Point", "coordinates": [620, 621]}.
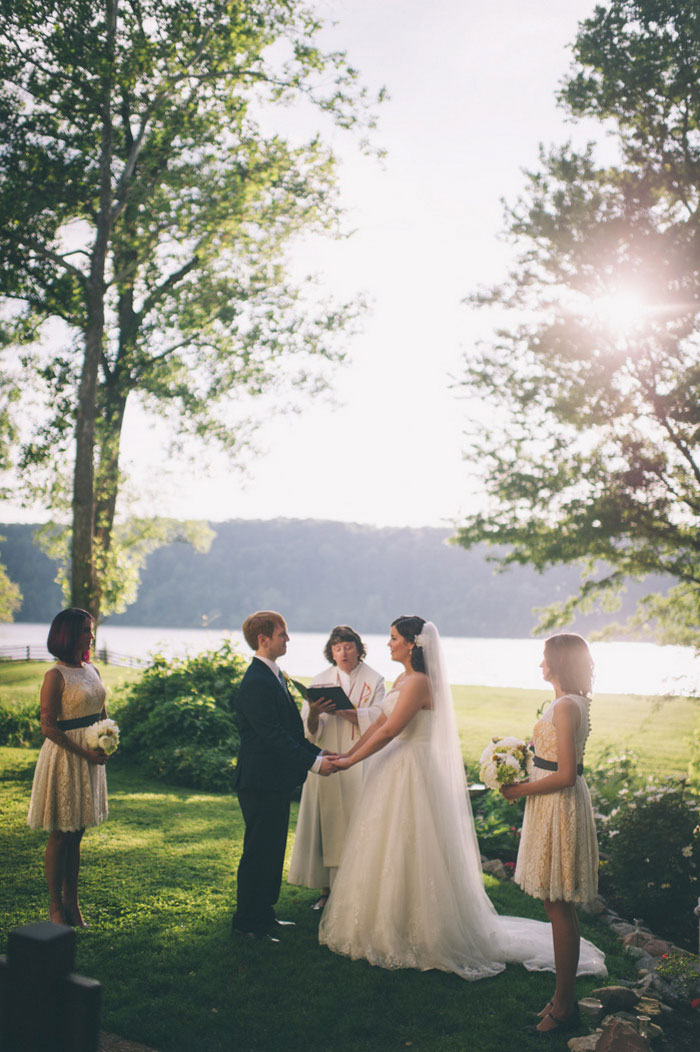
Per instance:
{"type": "Point", "coordinates": [326, 767]}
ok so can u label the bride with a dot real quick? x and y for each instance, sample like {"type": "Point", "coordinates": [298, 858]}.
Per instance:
{"type": "Point", "coordinates": [409, 890]}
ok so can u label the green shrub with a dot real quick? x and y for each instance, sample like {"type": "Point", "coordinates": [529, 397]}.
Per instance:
{"type": "Point", "coordinates": [20, 724]}
{"type": "Point", "coordinates": [498, 825]}
{"type": "Point", "coordinates": [653, 857]}
{"type": "Point", "coordinates": [613, 773]}
{"type": "Point", "coordinates": [178, 718]}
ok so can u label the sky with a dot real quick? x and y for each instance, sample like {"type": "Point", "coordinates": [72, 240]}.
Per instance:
{"type": "Point", "coordinates": [472, 94]}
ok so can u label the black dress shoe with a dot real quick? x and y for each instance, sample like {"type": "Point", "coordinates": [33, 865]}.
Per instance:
{"type": "Point", "coordinates": [260, 936]}
{"type": "Point", "coordinates": [282, 924]}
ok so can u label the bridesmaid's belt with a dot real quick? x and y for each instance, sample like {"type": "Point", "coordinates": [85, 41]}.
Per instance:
{"type": "Point", "coordinates": [81, 721]}
{"type": "Point", "coordinates": [551, 765]}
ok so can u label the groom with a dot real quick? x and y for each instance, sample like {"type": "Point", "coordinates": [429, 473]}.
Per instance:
{"type": "Point", "coordinates": [274, 757]}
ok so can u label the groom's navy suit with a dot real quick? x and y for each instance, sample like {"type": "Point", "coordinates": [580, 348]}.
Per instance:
{"type": "Point", "coordinates": [274, 757]}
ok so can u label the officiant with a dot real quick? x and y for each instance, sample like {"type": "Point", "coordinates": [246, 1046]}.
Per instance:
{"type": "Point", "coordinates": [327, 803]}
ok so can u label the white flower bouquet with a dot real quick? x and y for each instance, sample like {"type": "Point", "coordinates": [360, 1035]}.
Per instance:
{"type": "Point", "coordinates": [103, 735]}
{"type": "Point", "coordinates": [505, 761]}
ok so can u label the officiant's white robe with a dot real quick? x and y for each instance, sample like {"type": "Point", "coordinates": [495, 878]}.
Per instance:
{"type": "Point", "coordinates": [327, 803]}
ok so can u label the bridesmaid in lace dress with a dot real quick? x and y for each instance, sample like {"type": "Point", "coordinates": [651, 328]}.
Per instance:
{"type": "Point", "coordinates": [69, 791]}
{"type": "Point", "coordinates": [558, 855]}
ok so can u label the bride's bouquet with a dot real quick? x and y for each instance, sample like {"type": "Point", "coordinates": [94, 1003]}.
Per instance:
{"type": "Point", "coordinates": [505, 761]}
{"type": "Point", "coordinates": [103, 735]}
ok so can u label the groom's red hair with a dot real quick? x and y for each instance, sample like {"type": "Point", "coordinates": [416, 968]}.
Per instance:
{"type": "Point", "coordinates": [262, 623]}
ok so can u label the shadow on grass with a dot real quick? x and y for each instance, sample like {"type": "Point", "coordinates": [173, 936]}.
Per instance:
{"type": "Point", "coordinates": [158, 884]}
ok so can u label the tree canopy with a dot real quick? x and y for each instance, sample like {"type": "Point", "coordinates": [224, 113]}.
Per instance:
{"type": "Point", "coordinates": [592, 453]}
{"type": "Point", "coordinates": [150, 184]}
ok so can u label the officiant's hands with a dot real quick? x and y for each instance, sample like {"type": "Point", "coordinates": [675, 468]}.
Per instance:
{"type": "Point", "coordinates": [321, 705]}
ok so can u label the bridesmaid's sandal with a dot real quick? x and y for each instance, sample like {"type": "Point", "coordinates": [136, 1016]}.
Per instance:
{"type": "Point", "coordinates": [547, 1008]}
{"type": "Point", "coordinates": [560, 1025]}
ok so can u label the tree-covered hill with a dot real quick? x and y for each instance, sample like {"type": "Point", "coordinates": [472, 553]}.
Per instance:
{"type": "Point", "coordinates": [318, 573]}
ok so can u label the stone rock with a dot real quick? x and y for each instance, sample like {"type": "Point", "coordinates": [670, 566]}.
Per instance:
{"type": "Point", "coordinates": [609, 917]}
{"type": "Point", "coordinates": [616, 998]}
{"type": "Point", "coordinates": [636, 937]}
{"type": "Point", "coordinates": [495, 868]}
{"type": "Point", "coordinates": [635, 952]}
{"type": "Point", "coordinates": [657, 987]}
{"type": "Point", "coordinates": [644, 964]}
{"type": "Point", "coordinates": [584, 1044]}
{"type": "Point", "coordinates": [624, 930]}
{"type": "Point", "coordinates": [596, 907]}
{"type": "Point", "coordinates": [657, 947]}
{"type": "Point", "coordinates": [620, 1036]}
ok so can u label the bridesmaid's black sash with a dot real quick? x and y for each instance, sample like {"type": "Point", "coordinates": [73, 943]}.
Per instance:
{"type": "Point", "coordinates": [551, 765]}
{"type": "Point", "coordinates": [81, 721]}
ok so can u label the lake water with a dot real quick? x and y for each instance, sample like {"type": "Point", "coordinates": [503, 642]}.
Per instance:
{"type": "Point", "coordinates": [621, 668]}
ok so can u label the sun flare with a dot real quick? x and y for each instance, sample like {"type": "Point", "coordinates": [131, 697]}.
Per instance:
{"type": "Point", "coordinates": [620, 311]}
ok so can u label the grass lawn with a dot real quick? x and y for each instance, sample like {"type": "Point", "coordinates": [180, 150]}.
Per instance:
{"type": "Point", "coordinates": [158, 887]}
{"type": "Point", "coordinates": [659, 730]}
{"type": "Point", "coordinates": [20, 681]}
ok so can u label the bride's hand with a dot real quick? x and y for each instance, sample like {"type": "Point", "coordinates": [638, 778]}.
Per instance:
{"type": "Point", "coordinates": [342, 762]}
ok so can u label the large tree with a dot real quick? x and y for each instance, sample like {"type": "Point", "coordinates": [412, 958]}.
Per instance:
{"type": "Point", "coordinates": [592, 448]}
{"type": "Point", "coordinates": [147, 199]}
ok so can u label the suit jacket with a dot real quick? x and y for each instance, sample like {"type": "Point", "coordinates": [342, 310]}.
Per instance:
{"type": "Point", "coordinates": [274, 754]}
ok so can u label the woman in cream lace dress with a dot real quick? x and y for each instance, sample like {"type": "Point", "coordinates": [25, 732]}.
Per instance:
{"type": "Point", "coordinates": [69, 791]}
{"type": "Point", "coordinates": [558, 856]}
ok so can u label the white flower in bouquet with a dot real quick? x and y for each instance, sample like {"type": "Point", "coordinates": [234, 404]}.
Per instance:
{"type": "Point", "coordinates": [505, 761]}
{"type": "Point", "coordinates": [103, 735]}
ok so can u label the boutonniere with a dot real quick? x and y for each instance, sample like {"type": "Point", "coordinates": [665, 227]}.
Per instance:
{"type": "Point", "coordinates": [293, 686]}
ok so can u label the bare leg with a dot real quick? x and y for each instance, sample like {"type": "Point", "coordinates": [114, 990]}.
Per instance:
{"type": "Point", "coordinates": [567, 943]}
{"type": "Point", "coordinates": [71, 872]}
{"type": "Point", "coordinates": [54, 865]}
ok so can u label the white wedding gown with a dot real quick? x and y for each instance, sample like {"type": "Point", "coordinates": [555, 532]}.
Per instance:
{"type": "Point", "coordinates": [409, 891]}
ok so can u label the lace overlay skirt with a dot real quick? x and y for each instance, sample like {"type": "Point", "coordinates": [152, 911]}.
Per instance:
{"type": "Point", "coordinates": [558, 856]}
{"type": "Point", "coordinates": [68, 793]}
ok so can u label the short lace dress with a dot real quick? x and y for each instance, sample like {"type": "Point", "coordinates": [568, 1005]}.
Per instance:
{"type": "Point", "coordinates": [69, 793]}
{"type": "Point", "coordinates": [558, 855]}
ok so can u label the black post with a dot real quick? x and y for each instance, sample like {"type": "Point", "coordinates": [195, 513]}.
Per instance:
{"type": "Point", "coordinates": [44, 1006]}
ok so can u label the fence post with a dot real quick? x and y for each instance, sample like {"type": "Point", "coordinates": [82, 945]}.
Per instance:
{"type": "Point", "coordinates": [28, 652]}
{"type": "Point", "coordinates": [44, 1006]}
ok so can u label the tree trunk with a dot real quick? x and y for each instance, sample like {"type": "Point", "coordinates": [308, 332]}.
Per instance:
{"type": "Point", "coordinates": [85, 591]}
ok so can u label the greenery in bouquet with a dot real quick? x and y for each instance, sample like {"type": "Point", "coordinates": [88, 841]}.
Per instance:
{"type": "Point", "coordinates": [178, 719]}
{"type": "Point", "coordinates": [652, 864]}
{"type": "Point", "coordinates": [505, 761]}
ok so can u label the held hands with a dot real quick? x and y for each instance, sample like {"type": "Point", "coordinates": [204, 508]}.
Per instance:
{"type": "Point", "coordinates": [327, 764]}
{"type": "Point", "coordinates": [341, 762]}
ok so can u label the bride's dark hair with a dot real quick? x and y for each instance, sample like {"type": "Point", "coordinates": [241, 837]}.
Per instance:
{"type": "Point", "coordinates": [409, 626]}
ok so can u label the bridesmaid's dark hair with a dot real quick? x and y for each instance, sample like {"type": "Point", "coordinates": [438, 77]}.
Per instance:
{"type": "Point", "coordinates": [65, 631]}
{"type": "Point", "coordinates": [570, 662]}
{"type": "Point", "coordinates": [343, 634]}
{"type": "Point", "coordinates": [409, 626]}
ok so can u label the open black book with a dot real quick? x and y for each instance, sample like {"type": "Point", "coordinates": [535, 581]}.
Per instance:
{"type": "Point", "coordinates": [331, 693]}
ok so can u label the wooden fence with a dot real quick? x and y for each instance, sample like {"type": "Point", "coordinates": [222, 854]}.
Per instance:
{"type": "Point", "coordinates": [36, 652]}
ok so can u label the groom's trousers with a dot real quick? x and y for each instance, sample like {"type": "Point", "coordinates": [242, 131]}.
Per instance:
{"type": "Point", "coordinates": [266, 817]}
